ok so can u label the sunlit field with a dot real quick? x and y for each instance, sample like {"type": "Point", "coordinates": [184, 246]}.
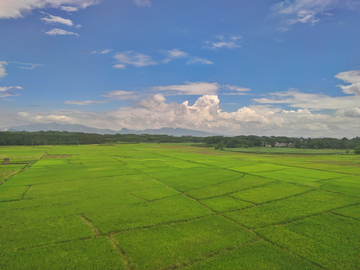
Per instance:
{"type": "Point", "coordinates": [166, 206]}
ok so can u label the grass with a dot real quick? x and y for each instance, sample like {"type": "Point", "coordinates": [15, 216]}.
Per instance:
{"type": "Point", "coordinates": [270, 192]}
{"type": "Point", "coordinates": [225, 204]}
{"type": "Point", "coordinates": [43, 232]}
{"type": "Point", "coordinates": [174, 206]}
{"type": "Point", "coordinates": [328, 240]}
{"type": "Point", "coordinates": [291, 209]}
{"type": "Point", "coordinates": [181, 243]}
{"type": "Point", "coordinates": [96, 253]}
{"type": "Point", "coordinates": [260, 255]}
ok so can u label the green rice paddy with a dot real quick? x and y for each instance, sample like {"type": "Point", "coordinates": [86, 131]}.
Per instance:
{"type": "Point", "coordinates": [174, 206]}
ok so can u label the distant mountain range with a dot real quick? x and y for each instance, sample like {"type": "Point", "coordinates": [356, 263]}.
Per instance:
{"type": "Point", "coordinates": [85, 129]}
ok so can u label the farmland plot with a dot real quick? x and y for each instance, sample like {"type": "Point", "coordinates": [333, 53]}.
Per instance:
{"type": "Point", "coordinates": [150, 206]}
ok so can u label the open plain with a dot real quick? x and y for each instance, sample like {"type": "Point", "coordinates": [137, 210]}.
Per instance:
{"type": "Point", "coordinates": [166, 206]}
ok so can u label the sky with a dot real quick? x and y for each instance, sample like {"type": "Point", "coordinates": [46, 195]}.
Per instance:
{"type": "Point", "coordinates": [232, 67]}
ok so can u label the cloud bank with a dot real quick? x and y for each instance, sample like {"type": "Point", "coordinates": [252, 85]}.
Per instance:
{"type": "Point", "coordinates": [205, 114]}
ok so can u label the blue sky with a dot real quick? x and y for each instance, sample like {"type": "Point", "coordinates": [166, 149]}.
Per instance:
{"type": "Point", "coordinates": [233, 67]}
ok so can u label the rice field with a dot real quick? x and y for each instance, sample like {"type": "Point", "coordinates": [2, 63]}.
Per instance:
{"type": "Point", "coordinates": [174, 206]}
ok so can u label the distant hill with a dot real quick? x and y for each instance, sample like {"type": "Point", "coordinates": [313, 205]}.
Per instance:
{"type": "Point", "coordinates": [80, 128]}
{"type": "Point", "coordinates": [60, 127]}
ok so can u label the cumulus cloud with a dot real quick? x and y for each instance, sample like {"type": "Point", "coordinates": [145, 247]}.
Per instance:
{"type": "Point", "coordinates": [61, 32]}
{"type": "Point", "coordinates": [50, 19]}
{"type": "Point", "coordinates": [2, 69]}
{"type": "Point", "coordinates": [17, 8]}
{"type": "Point", "coordinates": [199, 61]}
{"type": "Point", "coordinates": [204, 114]}
{"type": "Point", "coordinates": [189, 88]}
{"type": "Point", "coordinates": [134, 59]}
{"type": "Point", "coordinates": [102, 51]}
{"type": "Point", "coordinates": [229, 43]}
{"type": "Point", "coordinates": [84, 102]}
{"type": "Point", "coordinates": [142, 3]}
{"type": "Point", "coordinates": [120, 95]}
{"type": "Point", "coordinates": [173, 54]}
{"type": "Point", "coordinates": [352, 77]}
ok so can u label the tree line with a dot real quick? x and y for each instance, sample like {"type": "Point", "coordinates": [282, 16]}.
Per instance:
{"type": "Point", "coordinates": [281, 141]}
{"type": "Point", "coordinates": [71, 138]}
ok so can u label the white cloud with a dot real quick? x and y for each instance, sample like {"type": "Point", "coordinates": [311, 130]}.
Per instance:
{"type": "Point", "coordinates": [6, 88]}
{"type": "Point", "coordinates": [5, 91]}
{"type": "Point", "coordinates": [352, 77]}
{"type": "Point", "coordinates": [84, 102]}
{"type": "Point", "coordinates": [2, 69]}
{"type": "Point", "coordinates": [27, 65]}
{"type": "Point", "coordinates": [204, 114]}
{"type": "Point", "coordinates": [236, 88]}
{"type": "Point", "coordinates": [229, 43]}
{"type": "Point", "coordinates": [199, 61]}
{"type": "Point", "coordinates": [17, 8]}
{"type": "Point", "coordinates": [57, 31]}
{"type": "Point", "coordinates": [173, 54]}
{"type": "Point", "coordinates": [102, 51]}
{"type": "Point", "coordinates": [119, 66]}
{"type": "Point", "coordinates": [305, 16]}
{"type": "Point", "coordinates": [305, 11]}
{"type": "Point", "coordinates": [134, 59]}
{"type": "Point", "coordinates": [120, 95]}
{"type": "Point", "coordinates": [189, 88]}
{"type": "Point", "coordinates": [142, 3]}
{"type": "Point", "coordinates": [45, 118]}
{"type": "Point", "coordinates": [294, 6]}
{"type": "Point", "coordinates": [69, 9]}
{"type": "Point", "coordinates": [283, 29]}
{"type": "Point", "coordinates": [50, 19]}
{"type": "Point", "coordinates": [310, 101]}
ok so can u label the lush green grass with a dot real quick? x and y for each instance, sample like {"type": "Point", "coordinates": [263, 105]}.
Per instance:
{"type": "Point", "coordinates": [96, 253]}
{"type": "Point", "coordinates": [150, 206]}
{"type": "Point", "coordinates": [181, 243]}
{"type": "Point", "coordinates": [291, 209]}
{"type": "Point", "coordinates": [346, 185]}
{"type": "Point", "coordinates": [225, 204]}
{"type": "Point", "coordinates": [43, 232]}
{"type": "Point", "coordinates": [246, 182]}
{"type": "Point", "coordinates": [328, 240]}
{"type": "Point", "coordinates": [170, 209]}
{"type": "Point", "coordinates": [260, 255]}
{"type": "Point", "coordinates": [270, 192]}
{"type": "Point", "coordinates": [351, 211]}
